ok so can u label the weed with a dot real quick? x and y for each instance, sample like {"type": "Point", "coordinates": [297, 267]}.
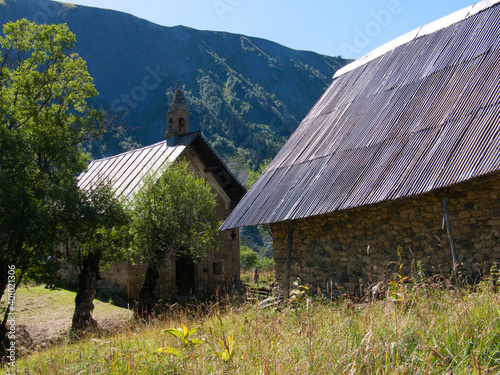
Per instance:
{"type": "Point", "coordinates": [184, 335]}
{"type": "Point", "coordinates": [225, 348]}
{"type": "Point", "coordinates": [442, 331]}
{"type": "Point", "coordinates": [299, 291]}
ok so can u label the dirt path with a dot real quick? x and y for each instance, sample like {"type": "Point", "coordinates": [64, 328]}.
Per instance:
{"type": "Point", "coordinates": [44, 316]}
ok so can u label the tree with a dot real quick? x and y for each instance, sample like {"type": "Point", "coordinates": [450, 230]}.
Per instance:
{"type": "Point", "coordinates": [44, 117]}
{"type": "Point", "coordinates": [174, 213]}
{"type": "Point", "coordinates": [98, 236]}
{"type": "Point", "coordinates": [260, 235]}
{"type": "Point", "coordinates": [248, 257]}
{"type": "Point", "coordinates": [253, 176]}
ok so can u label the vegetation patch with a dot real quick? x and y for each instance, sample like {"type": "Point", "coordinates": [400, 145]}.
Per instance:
{"type": "Point", "coordinates": [44, 316]}
{"type": "Point", "coordinates": [429, 328]}
{"type": "Point", "coordinates": [69, 5]}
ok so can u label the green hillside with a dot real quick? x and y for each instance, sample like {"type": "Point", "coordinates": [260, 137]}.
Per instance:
{"type": "Point", "coordinates": [247, 95]}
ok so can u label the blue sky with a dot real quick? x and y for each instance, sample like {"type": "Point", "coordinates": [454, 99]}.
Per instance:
{"type": "Point", "coordinates": [333, 27]}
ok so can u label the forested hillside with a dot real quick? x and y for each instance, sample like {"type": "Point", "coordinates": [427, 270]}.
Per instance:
{"type": "Point", "coordinates": [246, 95]}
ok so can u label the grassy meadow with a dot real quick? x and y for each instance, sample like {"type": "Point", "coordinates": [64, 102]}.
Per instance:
{"type": "Point", "coordinates": [416, 329]}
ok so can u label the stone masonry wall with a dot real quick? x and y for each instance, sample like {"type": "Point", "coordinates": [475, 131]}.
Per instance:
{"type": "Point", "coordinates": [219, 268]}
{"type": "Point", "coordinates": [340, 251]}
{"type": "Point", "coordinates": [125, 278]}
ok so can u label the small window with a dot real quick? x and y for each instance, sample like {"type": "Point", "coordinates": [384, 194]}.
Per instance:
{"type": "Point", "coordinates": [218, 268]}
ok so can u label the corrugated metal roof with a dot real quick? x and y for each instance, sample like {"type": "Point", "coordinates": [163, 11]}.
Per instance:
{"type": "Point", "coordinates": [419, 116]}
{"type": "Point", "coordinates": [127, 170]}
{"type": "Point", "coordinates": [419, 32]}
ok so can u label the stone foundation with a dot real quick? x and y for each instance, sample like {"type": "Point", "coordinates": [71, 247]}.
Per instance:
{"type": "Point", "coordinates": [344, 250]}
{"type": "Point", "coordinates": [219, 269]}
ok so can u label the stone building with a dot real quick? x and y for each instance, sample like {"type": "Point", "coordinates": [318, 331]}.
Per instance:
{"type": "Point", "coordinates": [179, 276]}
{"type": "Point", "coordinates": [403, 137]}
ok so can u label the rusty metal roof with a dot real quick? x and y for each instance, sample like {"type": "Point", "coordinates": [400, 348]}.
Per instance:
{"type": "Point", "coordinates": [127, 170]}
{"type": "Point", "coordinates": [418, 117]}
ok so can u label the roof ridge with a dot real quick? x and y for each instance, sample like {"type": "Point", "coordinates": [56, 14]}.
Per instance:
{"type": "Point", "coordinates": [127, 152]}
{"type": "Point", "coordinates": [193, 133]}
{"type": "Point", "coordinates": [421, 31]}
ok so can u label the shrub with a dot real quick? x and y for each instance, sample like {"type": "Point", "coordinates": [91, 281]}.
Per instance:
{"type": "Point", "coordinates": [265, 264]}
{"type": "Point", "coordinates": [248, 257]}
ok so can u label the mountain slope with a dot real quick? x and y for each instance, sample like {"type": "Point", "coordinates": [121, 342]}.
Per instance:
{"type": "Point", "coordinates": [246, 94]}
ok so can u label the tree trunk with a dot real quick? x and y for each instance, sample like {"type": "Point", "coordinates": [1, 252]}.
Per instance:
{"type": "Point", "coordinates": [4, 276]}
{"type": "Point", "coordinates": [145, 307]}
{"type": "Point", "coordinates": [84, 300]}
{"type": "Point", "coordinates": [4, 342]}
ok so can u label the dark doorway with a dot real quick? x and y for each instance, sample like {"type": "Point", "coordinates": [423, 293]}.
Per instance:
{"type": "Point", "coordinates": [185, 275]}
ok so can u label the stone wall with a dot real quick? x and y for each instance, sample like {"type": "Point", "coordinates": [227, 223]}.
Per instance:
{"type": "Point", "coordinates": [219, 268]}
{"type": "Point", "coordinates": [126, 278]}
{"type": "Point", "coordinates": [360, 246]}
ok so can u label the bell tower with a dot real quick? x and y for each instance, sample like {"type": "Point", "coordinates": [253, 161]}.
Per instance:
{"type": "Point", "coordinates": [177, 116]}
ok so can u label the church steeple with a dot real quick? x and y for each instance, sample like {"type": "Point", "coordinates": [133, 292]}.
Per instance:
{"type": "Point", "coordinates": [177, 116]}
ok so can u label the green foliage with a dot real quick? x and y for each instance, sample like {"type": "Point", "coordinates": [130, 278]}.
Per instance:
{"type": "Point", "coordinates": [398, 289]}
{"type": "Point", "coordinates": [98, 234]}
{"type": "Point", "coordinates": [184, 335]}
{"type": "Point", "coordinates": [240, 166]}
{"type": "Point", "coordinates": [225, 348]}
{"type": "Point", "coordinates": [226, 109]}
{"type": "Point", "coordinates": [299, 291]}
{"type": "Point", "coordinates": [252, 259]}
{"type": "Point", "coordinates": [248, 257]}
{"type": "Point", "coordinates": [98, 225]}
{"type": "Point", "coordinates": [443, 331]}
{"type": "Point", "coordinates": [254, 175]}
{"type": "Point", "coordinates": [265, 264]}
{"type": "Point", "coordinates": [45, 270]}
{"type": "Point", "coordinates": [44, 118]}
{"type": "Point", "coordinates": [262, 237]}
{"type": "Point", "coordinates": [175, 212]}
{"type": "Point", "coordinates": [491, 281]}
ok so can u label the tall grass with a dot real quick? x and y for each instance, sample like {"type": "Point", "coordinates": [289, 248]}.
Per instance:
{"type": "Point", "coordinates": [417, 329]}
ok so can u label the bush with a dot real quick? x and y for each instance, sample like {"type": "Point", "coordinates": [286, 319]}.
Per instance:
{"type": "Point", "coordinates": [248, 257]}
{"type": "Point", "coordinates": [265, 264]}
